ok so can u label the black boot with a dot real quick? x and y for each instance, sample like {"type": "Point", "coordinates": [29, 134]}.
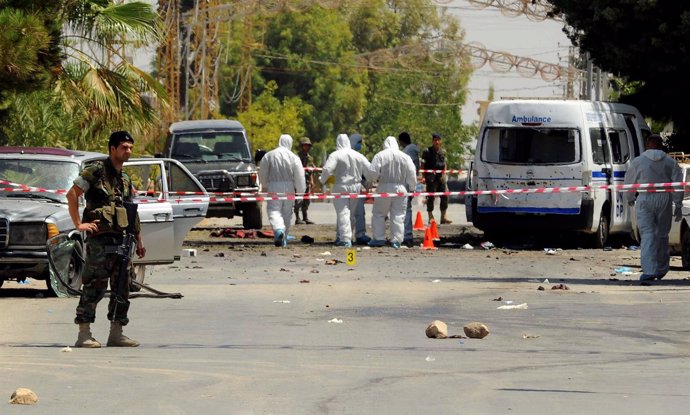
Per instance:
{"type": "Point", "coordinates": [307, 221]}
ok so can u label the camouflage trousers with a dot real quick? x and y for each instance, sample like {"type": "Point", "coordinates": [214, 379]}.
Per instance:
{"type": "Point", "coordinates": [99, 270]}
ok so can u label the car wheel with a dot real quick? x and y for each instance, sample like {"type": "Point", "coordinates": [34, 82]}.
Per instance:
{"type": "Point", "coordinates": [138, 275]}
{"type": "Point", "coordinates": [251, 216]}
{"type": "Point", "coordinates": [75, 271]}
{"type": "Point", "coordinates": [602, 234]}
{"type": "Point", "coordinates": [685, 249]}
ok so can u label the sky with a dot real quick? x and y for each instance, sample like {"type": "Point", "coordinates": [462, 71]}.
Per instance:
{"type": "Point", "coordinates": [543, 41]}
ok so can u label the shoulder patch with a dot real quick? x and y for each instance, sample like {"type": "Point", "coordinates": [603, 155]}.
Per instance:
{"type": "Point", "coordinates": [93, 172]}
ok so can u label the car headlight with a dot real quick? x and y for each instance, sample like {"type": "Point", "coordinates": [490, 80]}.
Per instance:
{"type": "Point", "coordinates": [243, 181]}
{"type": "Point", "coordinates": [28, 233]}
{"type": "Point", "coordinates": [52, 230]}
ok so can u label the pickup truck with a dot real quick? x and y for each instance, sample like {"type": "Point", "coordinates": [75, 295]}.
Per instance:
{"type": "Point", "coordinates": [218, 153]}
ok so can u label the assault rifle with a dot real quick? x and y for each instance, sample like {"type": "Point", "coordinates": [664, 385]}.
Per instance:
{"type": "Point", "coordinates": [124, 255]}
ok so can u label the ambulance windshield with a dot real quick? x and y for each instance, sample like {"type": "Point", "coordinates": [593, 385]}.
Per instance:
{"type": "Point", "coordinates": [531, 145]}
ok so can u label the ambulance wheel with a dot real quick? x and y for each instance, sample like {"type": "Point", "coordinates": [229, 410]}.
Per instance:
{"type": "Point", "coordinates": [685, 249]}
{"type": "Point", "coordinates": [602, 234]}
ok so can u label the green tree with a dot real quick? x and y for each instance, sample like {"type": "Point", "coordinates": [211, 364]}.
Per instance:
{"type": "Point", "coordinates": [423, 97]}
{"type": "Point", "coordinates": [96, 89]}
{"type": "Point", "coordinates": [268, 117]}
{"type": "Point", "coordinates": [642, 41]}
{"type": "Point", "coordinates": [319, 56]}
{"type": "Point", "coordinates": [29, 52]}
{"type": "Point", "coordinates": [307, 55]}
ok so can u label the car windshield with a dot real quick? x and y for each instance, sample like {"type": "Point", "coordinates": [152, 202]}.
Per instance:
{"type": "Point", "coordinates": [211, 146]}
{"type": "Point", "coordinates": [23, 173]}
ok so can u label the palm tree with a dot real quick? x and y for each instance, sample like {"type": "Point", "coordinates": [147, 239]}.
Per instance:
{"type": "Point", "coordinates": [96, 88]}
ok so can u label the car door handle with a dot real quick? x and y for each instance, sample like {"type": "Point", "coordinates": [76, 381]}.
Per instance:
{"type": "Point", "coordinates": [158, 216]}
{"type": "Point", "coordinates": [192, 211]}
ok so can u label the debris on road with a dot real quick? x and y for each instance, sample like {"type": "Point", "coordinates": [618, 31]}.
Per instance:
{"type": "Point", "coordinates": [282, 301]}
{"type": "Point", "coordinates": [476, 330]}
{"type": "Point", "coordinates": [304, 281]}
{"type": "Point", "coordinates": [333, 262]}
{"type": "Point", "coordinates": [623, 271]}
{"type": "Point", "coordinates": [467, 246]}
{"type": "Point", "coordinates": [325, 253]}
{"type": "Point", "coordinates": [335, 320]}
{"type": "Point", "coordinates": [498, 299]}
{"type": "Point", "coordinates": [560, 287]}
{"type": "Point", "coordinates": [522, 306]}
{"type": "Point", "coordinates": [241, 234]}
{"type": "Point", "coordinates": [66, 349]}
{"type": "Point", "coordinates": [437, 330]}
{"type": "Point", "coordinates": [530, 336]}
{"type": "Point", "coordinates": [487, 245]}
{"type": "Point", "coordinates": [23, 396]}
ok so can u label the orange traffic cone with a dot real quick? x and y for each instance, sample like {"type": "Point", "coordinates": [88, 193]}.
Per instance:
{"type": "Point", "coordinates": [434, 231]}
{"type": "Point", "coordinates": [418, 223]}
{"type": "Point", "coordinates": [428, 242]}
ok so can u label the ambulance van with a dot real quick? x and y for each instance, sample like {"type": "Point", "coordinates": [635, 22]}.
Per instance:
{"type": "Point", "coordinates": [554, 143]}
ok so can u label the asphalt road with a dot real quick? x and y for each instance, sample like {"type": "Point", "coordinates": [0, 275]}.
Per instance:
{"type": "Point", "coordinates": [255, 334]}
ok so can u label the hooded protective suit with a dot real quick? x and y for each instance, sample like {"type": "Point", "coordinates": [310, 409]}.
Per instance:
{"type": "Point", "coordinates": [360, 221]}
{"type": "Point", "coordinates": [395, 172]}
{"type": "Point", "coordinates": [654, 210]}
{"type": "Point", "coordinates": [348, 167]}
{"type": "Point", "coordinates": [281, 172]}
{"type": "Point", "coordinates": [413, 152]}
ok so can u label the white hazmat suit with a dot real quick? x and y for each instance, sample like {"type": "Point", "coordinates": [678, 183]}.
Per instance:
{"type": "Point", "coordinates": [347, 166]}
{"type": "Point", "coordinates": [360, 222]}
{"type": "Point", "coordinates": [396, 173]}
{"type": "Point", "coordinates": [281, 172]}
{"type": "Point", "coordinates": [654, 210]}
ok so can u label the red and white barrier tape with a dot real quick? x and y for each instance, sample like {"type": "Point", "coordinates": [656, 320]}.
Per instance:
{"type": "Point", "coordinates": [447, 171]}
{"type": "Point", "coordinates": [644, 187]}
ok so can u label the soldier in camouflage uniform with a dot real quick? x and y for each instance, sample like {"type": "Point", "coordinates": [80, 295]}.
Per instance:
{"type": "Point", "coordinates": [434, 158]}
{"type": "Point", "coordinates": [307, 161]}
{"type": "Point", "coordinates": [105, 188]}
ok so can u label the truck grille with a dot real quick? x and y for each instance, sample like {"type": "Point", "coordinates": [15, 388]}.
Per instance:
{"type": "Point", "coordinates": [217, 184]}
{"type": "Point", "coordinates": [4, 232]}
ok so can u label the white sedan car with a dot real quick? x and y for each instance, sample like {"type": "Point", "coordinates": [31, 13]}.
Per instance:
{"type": "Point", "coordinates": [33, 209]}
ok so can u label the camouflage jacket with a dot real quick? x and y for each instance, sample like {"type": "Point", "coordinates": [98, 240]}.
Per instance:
{"type": "Point", "coordinates": [105, 190]}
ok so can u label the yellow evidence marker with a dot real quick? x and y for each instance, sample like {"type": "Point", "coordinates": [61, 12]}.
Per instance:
{"type": "Point", "coordinates": [351, 257]}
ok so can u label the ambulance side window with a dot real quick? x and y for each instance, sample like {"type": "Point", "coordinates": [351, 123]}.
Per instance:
{"type": "Point", "coordinates": [619, 146]}
{"type": "Point", "coordinates": [599, 148]}
{"type": "Point", "coordinates": [630, 122]}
